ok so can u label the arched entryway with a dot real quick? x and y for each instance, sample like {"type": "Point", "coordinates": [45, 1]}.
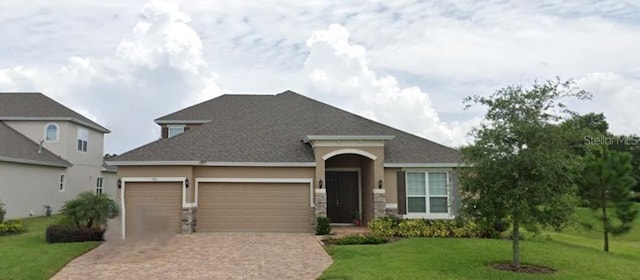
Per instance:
{"type": "Point", "coordinates": [348, 200]}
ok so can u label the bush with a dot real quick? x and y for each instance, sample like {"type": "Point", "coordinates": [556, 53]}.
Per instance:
{"type": "Point", "coordinates": [387, 226]}
{"type": "Point", "coordinates": [2, 212]}
{"type": "Point", "coordinates": [89, 210]}
{"type": "Point", "coordinates": [323, 226]}
{"type": "Point", "coordinates": [68, 233]}
{"type": "Point", "coordinates": [358, 240]}
{"type": "Point", "coordinates": [11, 227]}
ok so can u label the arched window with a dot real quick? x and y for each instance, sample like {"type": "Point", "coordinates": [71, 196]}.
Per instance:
{"type": "Point", "coordinates": [51, 132]}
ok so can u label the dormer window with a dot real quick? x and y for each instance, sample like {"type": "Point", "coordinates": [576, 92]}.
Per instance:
{"type": "Point", "coordinates": [51, 132]}
{"type": "Point", "coordinates": [175, 130]}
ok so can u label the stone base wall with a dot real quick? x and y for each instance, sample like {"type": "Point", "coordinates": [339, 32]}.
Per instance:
{"type": "Point", "coordinates": [320, 200]}
{"type": "Point", "coordinates": [392, 212]}
{"type": "Point", "coordinates": [189, 220]}
{"type": "Point", "coordinates": [379, 203]}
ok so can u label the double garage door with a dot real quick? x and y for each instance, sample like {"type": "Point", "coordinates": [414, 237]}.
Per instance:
{"type": "Point", "coordinates": [156, 208]}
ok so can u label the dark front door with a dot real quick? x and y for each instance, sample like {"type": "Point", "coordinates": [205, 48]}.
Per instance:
{"type": "Point", "coordinates": [342, 195]}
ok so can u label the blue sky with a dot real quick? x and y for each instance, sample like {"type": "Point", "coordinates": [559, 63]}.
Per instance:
{"type": "Point", "coordinates": [404, 63]}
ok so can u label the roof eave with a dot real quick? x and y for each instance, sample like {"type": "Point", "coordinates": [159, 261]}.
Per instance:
{"type": "Point", "coordinates": [308, 138]}
{"type": "Point", "coordinates": [96, 127]}
{"type": "Point", "coordinates": [425, 165]}
{"type": "Point", "coordinates": [35, 162]}
{"type": "Point", "coordinates": [160, 121]}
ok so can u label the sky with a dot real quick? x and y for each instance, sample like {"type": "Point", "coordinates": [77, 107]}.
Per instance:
{"type": "Point", "coordinates": [408, 64]}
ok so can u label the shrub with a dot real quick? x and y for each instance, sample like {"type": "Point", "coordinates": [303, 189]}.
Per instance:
{"type": "Point", "coordinates": [387, 226]}
{"type": "Point", "coordinates": [11, 227]}
{"type": "Point", "coordinates": [67, 233]}
{"type": "Point", "coordinates": [358, 240]}
{"type": "Point", "coordinates": [2, 212]}
{"type": "Point", "coordinates": [323, 226]}
{"type": "Point", "coordinates": [89, 210]}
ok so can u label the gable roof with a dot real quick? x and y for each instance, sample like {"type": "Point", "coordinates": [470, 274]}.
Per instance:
{"type": "Point", "coordinates": [37, 106]}
{"type": "Point", "coordinates": [270, 129]}
{"type": "Point", "coordinates": [20, 149]}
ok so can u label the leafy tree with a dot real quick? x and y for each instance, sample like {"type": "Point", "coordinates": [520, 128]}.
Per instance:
{"type": "Point", "coordinates": [521, 166]}
{"type": "Point", "coordinates": [631, 144]}
{"type": "Point", "coordinates": [89, 210]}
{"type": "Point", "coordinates": [607, 182]}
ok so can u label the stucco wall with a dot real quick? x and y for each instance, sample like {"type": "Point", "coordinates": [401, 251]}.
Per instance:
{"type": "Point", "coordinates": [25, 189]}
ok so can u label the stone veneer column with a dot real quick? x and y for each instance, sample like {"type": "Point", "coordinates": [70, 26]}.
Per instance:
{"type": "Point", "coordinates": [379, 203]}
{"type": "Point", "coordinates": [320, 200]}
{"type": "Point", "coordinates": [189, 221]}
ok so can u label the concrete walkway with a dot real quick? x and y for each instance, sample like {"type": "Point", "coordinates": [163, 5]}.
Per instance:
{"type": "Point", "coordinates": [204, 256]}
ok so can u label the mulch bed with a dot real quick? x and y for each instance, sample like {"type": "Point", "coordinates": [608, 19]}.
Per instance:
{"type": "Point", "coordinates": [524, 268]}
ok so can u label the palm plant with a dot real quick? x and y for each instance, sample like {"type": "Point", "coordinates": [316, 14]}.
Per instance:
{"type": "Point", "coordinates": [89, 210]}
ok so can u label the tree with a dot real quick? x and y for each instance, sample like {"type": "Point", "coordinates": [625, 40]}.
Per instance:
{"type": "Point", "coordinates": [2, 212]}
{"type": "Point", "coordinates": [607, 182]}
{"type": "Point", "coordinates": [89, 210]}
{"type": "Point", "coordinates": [521, 166]}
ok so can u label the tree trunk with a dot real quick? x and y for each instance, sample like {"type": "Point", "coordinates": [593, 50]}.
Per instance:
{"type": "Point", "coordinates": [515, 261]}
{"type": "Point", "coordinates": [605, 221]}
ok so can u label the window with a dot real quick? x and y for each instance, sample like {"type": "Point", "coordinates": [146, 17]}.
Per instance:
{"type": "Point", "coordinates": [99, 182]}
{"type": "Point", "coordinates": [51, 132]}
{"type": "Point", "coordinates": [175, 130]}
{"type": "Point", "coordinates": [83, 139]}
{"type": "Point", "coordinates": [61, 182]}
{"type": "Point", "coordinates": [427, 192]}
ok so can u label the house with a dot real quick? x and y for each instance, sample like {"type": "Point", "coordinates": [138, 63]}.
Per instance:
{"type": "Point", "coordinates": [275, 162]}
{"type": "Point", "coordinates": [48, 154]}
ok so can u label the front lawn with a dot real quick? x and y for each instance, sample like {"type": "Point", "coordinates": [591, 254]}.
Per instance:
{"type": "Point", "coordinates": [29, 256]}
{"type": "Point", "coordinates": [447, 258]}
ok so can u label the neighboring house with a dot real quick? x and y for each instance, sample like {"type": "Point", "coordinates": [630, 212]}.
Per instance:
{"type": "Point", "coordinates": [274, 163]}
{"type": "Point", "coordinates": [48, 154]}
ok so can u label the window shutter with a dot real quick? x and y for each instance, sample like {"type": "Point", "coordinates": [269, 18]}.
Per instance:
{"type": "Point", "coordinates": [164, 132]}
{"type": "Point", "coordinates": [402, 193]}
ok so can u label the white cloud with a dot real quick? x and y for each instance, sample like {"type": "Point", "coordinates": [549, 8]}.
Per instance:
{"type": "Point", "coordinates": [340, 74]}
{"type": "Point", "coordinates": [158, 70]}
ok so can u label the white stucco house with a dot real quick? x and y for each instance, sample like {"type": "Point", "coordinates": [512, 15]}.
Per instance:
{"type": "Point", "coordinates": [48, 154]}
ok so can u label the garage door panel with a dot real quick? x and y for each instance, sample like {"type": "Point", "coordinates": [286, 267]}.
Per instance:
{"type": "Point", "coordinates": [271, 207]}
{"type": "Point", "coordinates": [153, 209]}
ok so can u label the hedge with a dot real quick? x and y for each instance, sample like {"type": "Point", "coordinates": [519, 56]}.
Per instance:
{"type": "Point", "coordinates": [67, 233]}
{"type": "Point", "coordinates": [358, 240]}
{"type": "Point", "coordinates": [323, 226]}
{"type": "Point", "coordinates": [11, 227]}
{"type": "Point", "coordinates": [423, 228]}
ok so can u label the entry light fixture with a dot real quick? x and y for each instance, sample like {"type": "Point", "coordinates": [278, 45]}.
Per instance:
{"type": "Point", "coordinates": [186, 182]}
{"type": "Point", "coordinates": [380, 184]}
{"type": "Point", "coordinates": [119, 184]}
{"type": "Point", "coordinates": [320, 183]}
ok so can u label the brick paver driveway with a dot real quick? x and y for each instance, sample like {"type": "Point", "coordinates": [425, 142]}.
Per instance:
{"type": "Point", "coordinates": [204, 256]}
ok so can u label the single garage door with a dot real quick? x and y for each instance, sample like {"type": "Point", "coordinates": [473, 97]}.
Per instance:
{"type": "Point", "coordinates": [153, 209]}
{"type": "Point", "coordinates": [254, 207]}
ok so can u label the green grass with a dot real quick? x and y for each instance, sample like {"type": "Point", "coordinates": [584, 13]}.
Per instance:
{"type": "Point", "coordinates": [574, 253]}
{"type": "Point", "coordinates": [29, 256]}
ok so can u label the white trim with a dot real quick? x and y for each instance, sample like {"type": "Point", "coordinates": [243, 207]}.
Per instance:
{"type": "Point", "coordinates": [438, 216]}
{"type": "Point", "coordinates": [174, 126]}
{"type": "Point", "coordinates": [349, 151]}
{"type": "Point", "coordinates": [123, 182]}
{"type": "Point", "coordinates": [423, 165]}
{"type": "Point", "coordinates": [62, 182]}
{"type": "Point", "coordinates": [391, 205]}
{"type": "Point", "coordinates": [131, 163]}
{"type": "Point", "coordinates": [308, 138]}
{"type": "Point", "coordinates": [181, 121]}
{"type": "Point", "coordinates": [260, 164]}
{"type": "Point", "coordinates": [256, 180]}
{"type": "Point", "coordinates": [347, 169]}
{"type": "Point", "coordinates": [348, 143]}
{"type": "Point", "coordinates": [46, 126]}
{"type": "Point", "coordinates": [213, 163]}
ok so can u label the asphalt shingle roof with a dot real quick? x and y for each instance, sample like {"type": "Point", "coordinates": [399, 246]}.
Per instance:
{"type": "Point", "coordinates": [16, 147]}
{"type": "Point", "coordinates": [270, 128]}
{"type": "Point", "coordinates": [37, 106]}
